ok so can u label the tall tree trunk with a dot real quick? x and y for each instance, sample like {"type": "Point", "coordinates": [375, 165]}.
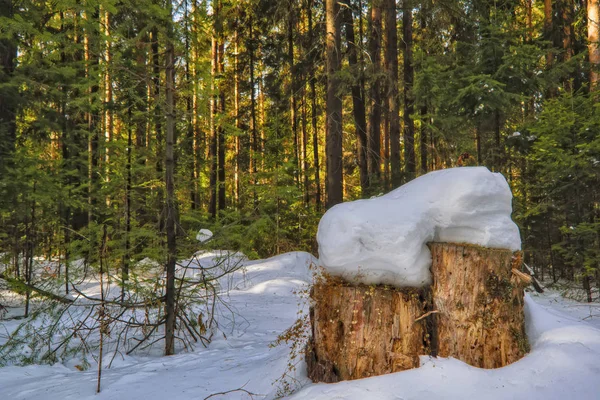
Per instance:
{"type": "Point", "coordinates": [304, 157]}
{"type": "Point", "coordinates": [374, 128]}
{"type": "Point", "coordinates": [358, 101]}
{"type": "Point", "coordinates": [253, 119]}
{"type": "Point", "coordinates": [478, 144]}
{"type": "Point", "coordinates": [424, 138]}
{"type": "Point", "coordinates": [221, 129]}
{"type": "Point", "coordinates": [236, 112]}
{"type": "Point", "coordinates": [108, 96]}
{"type": "Point", "coordinates": [548, 35]}
{"type": "Point", "coordinates": [567, 38]}
{"type": "Point", "coordinates": [158, 129]}
{"type": "Point", "coordinates": [66, 142]}
{"type": "Point", "coordinates": [8, 109]}
{"type": "Point", "coordinates": [529, 20]}
{"type": "Point", "coordinates": [127, 256]}
{"type": "Point", "coordinates": [424, 134]}
{"type": "Point", "coordinates": [189, 103]}
{"type": "Point", "coordinates": [212, 153]}
{"type": "Point", "coordinates": [391, 63]}
{"type": "Point", "coordinates": [593, 24]}
{"type": "Point", "coordinates": [313, 97]}
{"type": "Point", "coordinates": [292, 88]}
{"type": "Point", "coordinates": [409, 126]}
{"type": "Point", "coordinates": [498, 160]}
{"type": "Point", "coordinates": [334, 105]}
{"type": "Point", "coordinates": [197, 138]}
{"type": "Point", "coordinates": [171, 206]}
{"type": "Point", "coordinates": [87, 56]}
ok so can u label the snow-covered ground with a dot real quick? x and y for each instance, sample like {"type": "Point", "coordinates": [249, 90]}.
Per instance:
{"type": "Point", "coordinates": [563, 363]}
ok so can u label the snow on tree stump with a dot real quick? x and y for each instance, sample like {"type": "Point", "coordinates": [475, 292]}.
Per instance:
{"type": "Point", "coordinates": [473, 311]}
{"type": "Point", "coordinates": [360, 331]}
{"type": "Point", "coordinates": [478, 299]}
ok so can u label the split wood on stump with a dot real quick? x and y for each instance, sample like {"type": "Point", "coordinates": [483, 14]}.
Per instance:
{"type": "Point", "coordinates": [473, 311]}
{"type": "Point", "coordinates": [361, 331]}
{"type": "Point", "coordinates": [479, 300]}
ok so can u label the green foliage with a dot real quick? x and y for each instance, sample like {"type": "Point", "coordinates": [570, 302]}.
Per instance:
{"type": "Point", "coordinates": [564, 158]}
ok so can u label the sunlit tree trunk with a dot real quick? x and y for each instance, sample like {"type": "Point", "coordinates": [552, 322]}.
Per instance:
{"type": "Point", "coordinates": [313, 97]}
{"type": "Point", "coordinates": [292, 88]}
{"type": "Point", "coordinates": [236, 115]}
{"type": "Point", "coordinates": [334, 105]}
{"type": "Point", "coordinates": [358, 101]}
{"type": "Point", "coordinates": [306, 183]}
{"type": "Point", "coordinates": [593, 24]}
{"type": "Point", "coordinates": [8, 54]}
{"type": "Point", "coordinates": [220, 128]}
{"type": "Point", "coordinates": [171, 206]}
{"type": "Point", "coordinates": [374, 128]}
{"type": "Point", "coordinates": [424, 132]}
{"type": "Point", "coordinates": [567, 37]}
{"type": "Point", "coordinates": [212, 153]}
{"type": "Point", "coordinates": [253, 118]}
{"type": "Point", "coordinates": [409, 126]}
{"type": "Point", "coordinates": [391, 63]}
{"type": "Point", "coordinates": [108, 125]}
{"type": "Point", "coordinates": [548, 35]}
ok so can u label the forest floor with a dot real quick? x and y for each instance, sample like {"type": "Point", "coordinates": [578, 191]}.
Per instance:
{"type": "Point", "coordinates": [267, 297]}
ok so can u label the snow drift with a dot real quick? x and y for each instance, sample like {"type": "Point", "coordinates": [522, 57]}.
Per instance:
{"type": "Point", "coordinates": [384, 240]}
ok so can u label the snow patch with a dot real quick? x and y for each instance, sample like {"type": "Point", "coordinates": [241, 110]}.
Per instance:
{"type": "Point", "coordinates": [384, 240]}
{"type": "Point", "coordinates": [203, 235]}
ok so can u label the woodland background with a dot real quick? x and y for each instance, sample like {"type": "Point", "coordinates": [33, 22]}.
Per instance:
{"type": "Point", "coordinates": [126, 126]}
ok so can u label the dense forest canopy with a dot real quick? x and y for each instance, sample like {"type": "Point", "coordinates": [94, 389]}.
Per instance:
{"type": "Point", "coordinates": [126, 126]}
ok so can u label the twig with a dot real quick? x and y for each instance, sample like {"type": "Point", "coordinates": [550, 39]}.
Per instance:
{"type": "Point", "coordinates": [240, 389]}
{"type": "Point", "coordinates": [427, 314]}
{"type": "Point", "coordinates": [28, 288]}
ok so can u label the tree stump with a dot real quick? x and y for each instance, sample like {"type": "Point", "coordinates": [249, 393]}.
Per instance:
{"type": "Point", "coordinates": [472, 312]}
{"type": "Point", "coordinates": [360, 331]}
{"type": "Point", "coordinates": [479, 304]}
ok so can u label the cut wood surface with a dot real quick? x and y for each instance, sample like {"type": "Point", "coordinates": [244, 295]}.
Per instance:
{"type": "Point", "coordinates": [473, 312]}
{"type": "Point", "coordinates": [361, 331]}
{"type": "Point", "coordinates": [479, 300]}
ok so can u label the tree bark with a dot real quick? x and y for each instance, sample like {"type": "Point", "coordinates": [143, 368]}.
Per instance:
{"type": "Point", "coordinates": [361, 331]}
{"type": "Point", "coordinates": [212, 153]}
{"type": "Point", "coordinates": [374, 128]}
{"type": "Point", "coordinates": [221, 129]}
{"type": "Point", "coordinates": [253, 162]}
{"type": "Point", "coordinates": [593, 23]}
{"type": "Point", "coordinates": [567, 38]}
{"type": "Point", "coordinates": [334, 106]}
{"type": "Point", "coordinates": [171, 206]}
{"type": "Point", "coordinates": [480, 317]}
{"type": "Point", "coordinates": [391, 63]}
{"type": "Point", "coordinates": [292, 88]}
{"type": "Point", "coordinates": [108, 96]}
{"type": "Point", "coordinates": [158, 116]}
{"type": "Point", "coordinates": [89, 39]}
{"type": "Point", "coordinates": [8, 96]}
{"type": "Point", "coordinates": [424, 138]}
{"type": "Point", "coordinates": [313, 108]}
{"type": "Point", "coordinates": [358, 101]}
{"type": "Point", "coordinates": [548, 35]}
{"type": "Point", "coordinates": [409, 125]}
{"type": "Point", "coordinates": [236, 112]}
